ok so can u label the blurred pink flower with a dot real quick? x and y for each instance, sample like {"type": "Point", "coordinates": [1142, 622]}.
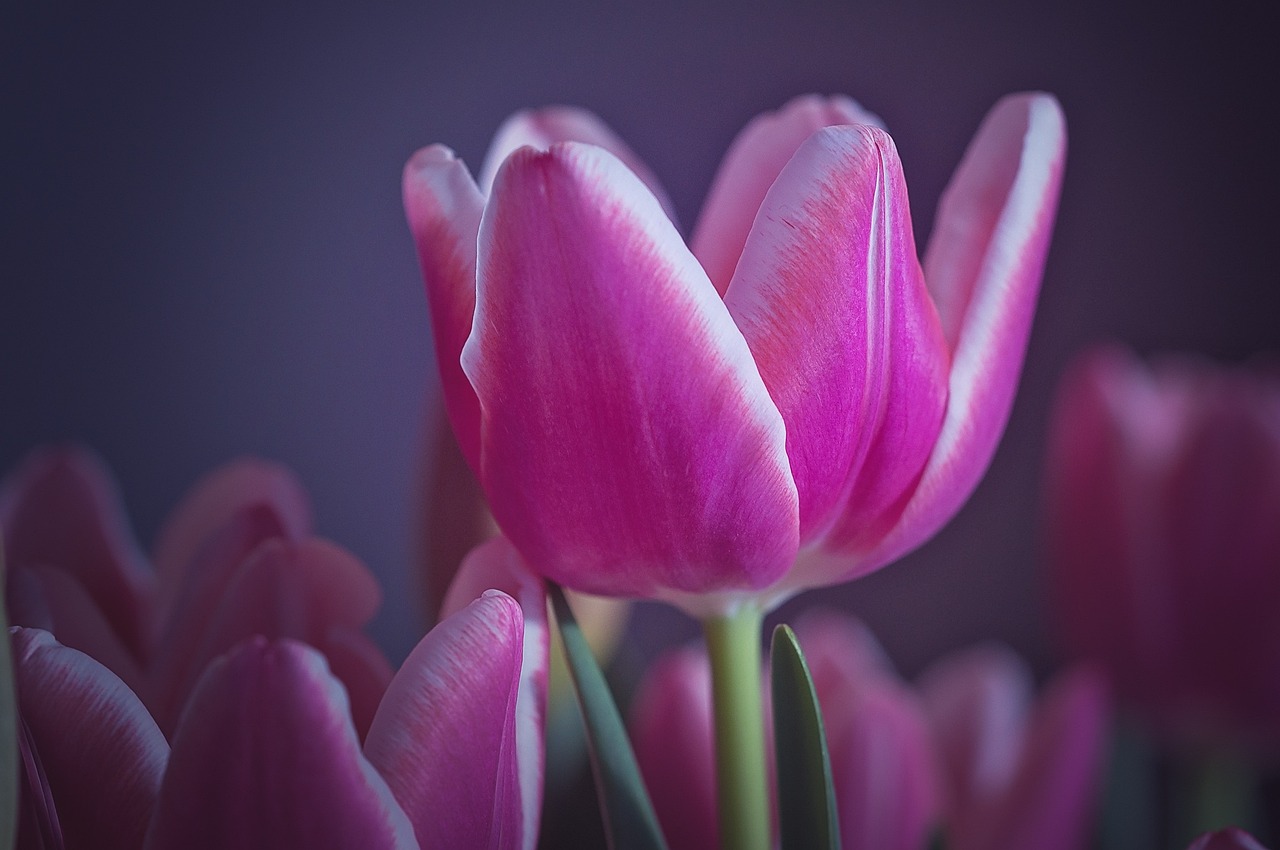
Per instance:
{"type": "Point", "coordinates": [968, 750]}
{"type": "Point", "coordinates": [1164, 544]}
{"type": "Point", "coordinates": [1226, 839]}
{"type": "Point", "coordinates": [680, 422]}
{"type": "Point", "coordinates": [266, 754]}
{"type": "Point", "coordinates": [236, 558]}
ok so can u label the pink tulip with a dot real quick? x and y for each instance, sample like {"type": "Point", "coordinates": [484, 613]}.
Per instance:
{"type": "Point", "coordinates": [1226, 839]}
{"type": "Point", "coordinates": [235, 559]}
{"type": "Point", "coordinates": [1164, 489]}
{"type": "Point", "coordinates": [966, 749]}
{"type": "Point", "coordinates": [266, 753]}
{"type": "Point", "coordinates": [656, 420]}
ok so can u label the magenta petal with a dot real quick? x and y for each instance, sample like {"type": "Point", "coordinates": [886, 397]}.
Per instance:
{"type": "Point", "coordinates": [443, 206]}
{"type": "Point", "coordinates": [496, 565]}
{"type": "Point", "coordinates": [1231, 838]}
{"type": "Point", "coordinates": [100, 751]}
{"type": "Point", "coordinates": [445, 736]}
{"type": "Point", "coordinates": [830, 297]}
{"type": "Point", "coordinates": [750, 166]}
{"type": "Point", "coordinates": [216, 500]}
{"type": "Point", "coordinates": [62, 509]}
{"type": "Point", "coordinates": [630, 446]}
{"type": "Point", "coordinates": [983, 266]}
{"type": "Point", "coordinates": [542, 128]}
{"type": "Point", "coordinates": [266, 756]}
{"type": "Point", "coordinates": [671, 729]}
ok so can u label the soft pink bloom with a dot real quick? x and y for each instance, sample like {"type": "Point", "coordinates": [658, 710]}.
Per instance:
{"type": "Point", "coordinates": [969, 749]}
{"type": "Point", "coordinates": [235, 558]}
{"type": "Point", "coordinates": [655, 419]}
{"type": "Point", "coordinates": [1231, 838]}
{"type": "Point", "coordinates": [266, 753]}
{"type": "Point", "coordinates": [1164, 493]}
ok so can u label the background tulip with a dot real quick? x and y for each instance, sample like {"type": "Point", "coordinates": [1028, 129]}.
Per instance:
{"type": "Point", "coordinates": [1163, 492]}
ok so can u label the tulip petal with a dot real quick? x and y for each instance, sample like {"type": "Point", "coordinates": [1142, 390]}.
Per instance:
{"type": "Point", "coordinates": [830, 297]}
{"type": "Point", "coordinates": [1226, 839]}
{"type": "Point", "coordinates": [630, 446]}
{"type": "Point", "coordinates": [101, 753]}
{"type": "Point", "coordinates": [750, 167]}
{"type": "Point", "coordinates": [495, 565]}
{"type": "Point", "coordinates": [266, 756]}
{"type": "Point", "coordinates": [443, 206]}
{"type": "Point", "coordinates": [671, 727]}
{"type": "Point", "coordinates": [983, 266]}
{"type": "Point", "coordinates": [62, 509]}
{"type": "Point", "coordinates": [358, 663]}
{"type": "Point", "coordinates": [542, 128]}
{"type": "Point", "coordinates": [445, 737]}
{"type": "Point", "coordinates": [213, 502]}
{"type": "Point", "coordinates": [283, 590]}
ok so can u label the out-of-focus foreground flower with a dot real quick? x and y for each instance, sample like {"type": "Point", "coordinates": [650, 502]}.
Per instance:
{"type": "Point", "coordinates": [265, 753]}
{"type": "Point", "coordinates": [655, 420]}
{"type": "Point", "coordinates": [967, 750]}
{"type": "Point", "coordinates": [1226, 839]}
{"type": "Point", "coordinates": [1164, 540]}
{"type": "Point", "coordinates": [236, 558]}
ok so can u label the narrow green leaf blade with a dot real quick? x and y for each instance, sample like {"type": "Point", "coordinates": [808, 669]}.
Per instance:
{"type": "Point", "coordinates": [8, 729]}
{"type": "Point", "coordinates": [806, 798]}
{"type": "Point", "coordinates": [629, 820]}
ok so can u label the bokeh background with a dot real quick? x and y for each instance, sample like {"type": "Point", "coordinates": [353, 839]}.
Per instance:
{"type": "Point", "coordinates": [204, 253]}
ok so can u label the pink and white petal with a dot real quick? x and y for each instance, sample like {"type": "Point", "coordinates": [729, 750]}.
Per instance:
{"type": "Point", "coordinates": [445, 734]}
{"type": "Point", "coordinates": [496, 565]}
{"type": "Point", "coordinates": [750, 167]}
{"type": "Point", "coordinates": [831, 300]}
{"type": "Point", "coordinates": [62, 508]}
{"type": "Point", "coordinates": [977, 703]}
{"type": "Point", "coordinates": [882, 767]}
{"type": "Point", "coordinates": [283, 590]}
{"type": "Point", "coordinates": [77, 622]}
{"type": "Point", "coordinates": [266, 756]}
{"type": "Point", "coordinates": [359, 664]}
{"type": "Point", "coordinates": [443, 207]}
{"type": "Point", "coordinates": [542, 128]}
{"type": "Point", "coordinates": [630, 446]}
{"type": "Point", "coordinates": [983, 266]}
{"type": "Point", "coordinates": [671, 729]}
{"type": "Point", "coordinates": [1231, 838]}
{"type": "Point", "coordinates": [101, 753]}
{"type": "Point", "coordinates": [1050, 803]}
{"type": "Point", "coordinates": [216, 500]}
{"type": "Point", "coordinates": [204, 584]}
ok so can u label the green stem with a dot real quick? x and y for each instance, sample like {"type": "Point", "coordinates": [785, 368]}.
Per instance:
{"type": "Point", "coordinates": [733, 643]}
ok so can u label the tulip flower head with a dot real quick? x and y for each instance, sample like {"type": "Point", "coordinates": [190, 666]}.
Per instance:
{"type": "Point", "coordinates": [1163, 494]}
{"type": "Point", "coordinates": [790, 400]}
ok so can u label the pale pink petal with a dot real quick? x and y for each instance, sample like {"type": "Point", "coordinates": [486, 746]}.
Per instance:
{"type": "Point", "coordinates": [840, 649]}
{"type": "Point", "coordinates": [831, 300]}
{"type": "Point", "coordinates": [445, 737]}
{"type": "Point", "coordinates": [977, 702]}
{"type": "Point", "coordinates": [542, 128]}
{"type": "Point", "coordinates": [630, 446]}
{"type": "Point", "coordinates": [496, 565]}
{"type": "Point", "coordinates": [203, 586]}
{"type": "Point", "coordinates": [282, 590]}
{"type": "Point", "coordinates": [671, 729]}
{"type": "Point", "coordinates": [443, 206]}
{"type": "Point", "coordinates": [266, 756]}
{"type": "Point", "coordinates": [749, 168]}
{"type": "Point", "coordinates": [101, 753]}
{"type": "Point", "coordinates": [983, 266]}
{"type": "Point", "coordinates": [213, 502]}
{"type": "Point", "coordinates": [1051, 800]}
{"type": "Point", "coordinates": [1226, 839]}
{"type": "Point", "coordinates": [62, 509]}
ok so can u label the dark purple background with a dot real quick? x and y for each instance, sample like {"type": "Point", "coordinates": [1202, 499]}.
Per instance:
{"type": "Point", "coordinates": [204, 253]}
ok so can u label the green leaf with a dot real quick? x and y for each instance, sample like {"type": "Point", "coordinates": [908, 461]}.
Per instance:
{"type": "Point", "coordinates": [806, 798]}
{"type": "Point", "coordinates": [629, 820]}
{"type": "Point", "coordinates": [8, 729]}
